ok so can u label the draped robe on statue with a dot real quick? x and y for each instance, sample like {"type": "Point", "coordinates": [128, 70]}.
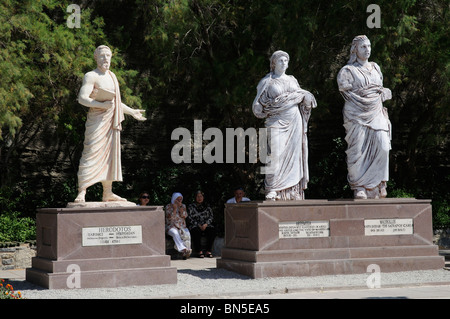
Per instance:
{"type": "Point", "coordinates": [281, 99]}
{"type": "Point", "coordinates": [100, 160]}
{"type": "Point", "coordinates": [367, 126]}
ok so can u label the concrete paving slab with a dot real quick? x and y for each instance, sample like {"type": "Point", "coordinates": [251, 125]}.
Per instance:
{"type": "Point", "coordinates": [407, 292]}
{"type": "Point", "coordinates": [16, 274]}
{"type": "Point", "coordinates": [200, 279]}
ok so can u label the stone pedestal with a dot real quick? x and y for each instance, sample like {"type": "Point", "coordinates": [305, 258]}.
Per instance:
{"type": "Point", "coordinates": [326, 237]}
{"type": "Point", "coordinates": [98, 247]}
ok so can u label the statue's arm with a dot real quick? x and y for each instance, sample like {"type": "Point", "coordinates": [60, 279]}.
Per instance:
{"type": "Point", "coordinates": [86, 89]}
{"type": "Point", "coordinates": [258, 108]}
{"type": "Point", "coordinates": [345, 80]}
{"type": "Point", "coordinates": [309, 101]}
{"type": "Point", "coordinates": [136, 113]}
{"type": "Point", "coordinates": [386, 93]}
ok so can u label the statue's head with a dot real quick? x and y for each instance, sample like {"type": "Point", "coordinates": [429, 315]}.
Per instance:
{"type": "Point", "coordinates": [274, 58]}
{"type": "Point", "coordinates": [360, 48]}
{"type": "Point", "coordinates": [102, 55]}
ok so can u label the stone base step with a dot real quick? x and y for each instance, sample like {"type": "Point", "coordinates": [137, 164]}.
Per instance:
{"type": "Point", "coordinates": [329, 266]}
{"type": "Point", "coordinates": [104, 278]}
{"type": "Point", "coordinates": [328, 253]}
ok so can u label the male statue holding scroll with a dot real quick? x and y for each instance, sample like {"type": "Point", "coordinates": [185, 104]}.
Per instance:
{"type": "Point", "coordinates": [100, 160]}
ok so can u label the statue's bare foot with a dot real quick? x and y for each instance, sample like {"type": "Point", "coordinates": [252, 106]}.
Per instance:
{"type": "Point", "coordinates": [80, 197]}
{"type": "Point", "coordinates": [360, 193]}
{"type": "Point", "coordinates": [271, 196]}
{"type": "Point", "coordinates": [294, 195]}
{"type": "Point", "coordinates": [373, 193]}
{"type": "Point", "coordinates": [111, 197]}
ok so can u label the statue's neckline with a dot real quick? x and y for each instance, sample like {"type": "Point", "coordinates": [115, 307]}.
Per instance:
{"type": "Point", "coordinates": [365, 68]}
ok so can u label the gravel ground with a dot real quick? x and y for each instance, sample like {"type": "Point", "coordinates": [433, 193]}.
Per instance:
{"type": "Point", "coordinates": [220, 283]}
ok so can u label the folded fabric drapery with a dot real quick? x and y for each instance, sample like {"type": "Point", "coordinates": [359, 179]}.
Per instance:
{"type": "Point", "coordinates": [368, 129]}
{"type": "Point", "coordinates": [101, 158]}
{"type": "Point", "coordinates": [287, 122]}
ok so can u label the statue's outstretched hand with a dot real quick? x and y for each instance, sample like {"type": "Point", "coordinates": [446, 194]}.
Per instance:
{"type": "Point", "coordinates": [138, 114]}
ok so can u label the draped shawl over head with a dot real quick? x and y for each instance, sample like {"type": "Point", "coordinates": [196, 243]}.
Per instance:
{"type": "Point", "coordinates": [175, 196]}
{"type": "Point", "coordinates": [367, 125]}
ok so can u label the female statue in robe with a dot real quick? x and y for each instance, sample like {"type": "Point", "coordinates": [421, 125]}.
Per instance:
{"type": "Point", "coordinates": [286, 108]}
{"type": "Point", "coordinates": [366, 122]}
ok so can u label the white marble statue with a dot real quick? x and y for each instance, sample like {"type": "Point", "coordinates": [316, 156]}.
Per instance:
{"type": "Point", "coordinates": [366, 122]}
{"type": "Point", "coordinates": [286, 108]}
{"type": "Point", "coordinates": [100, 160]}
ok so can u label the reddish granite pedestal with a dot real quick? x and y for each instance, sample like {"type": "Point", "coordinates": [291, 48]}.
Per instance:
{"type": "Point", "coordinates": [99, 258]}
{"type": "Point", "coordinates": [258, 244]}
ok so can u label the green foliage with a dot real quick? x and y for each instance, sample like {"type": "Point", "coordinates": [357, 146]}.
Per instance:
{"type": "Point", "coordinates": [42, 64]}
{"type": "Point", "coordinates": [39, 62]}
{"type": "Point", "coordinates": [7, 291]}
{"type": "Point", "coordinates": [413, 50]}
{"type": "Point", "coordinates": [328, 177]}
{"type": "Point", "coordinates": [399, 193]}
{"type": "Point", "coordinates": [441, 213]}
{"type": "Point", "coordinates": [16, 228]}
{"type": "Point", "coordinates": [202, 59]}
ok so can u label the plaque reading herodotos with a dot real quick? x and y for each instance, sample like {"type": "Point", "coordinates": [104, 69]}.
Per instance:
{"type": "Point", "coordinates": [112, 235]}
{"type": "Point", "coordinates": [304, 229]}
{"type": "Point", "coordinates": [395, 226]}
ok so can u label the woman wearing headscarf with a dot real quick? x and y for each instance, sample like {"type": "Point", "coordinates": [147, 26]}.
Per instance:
{"type": "Point", "coordinates": [366, 122]}
{"type": "Point", "coordinates": [176, 224]}
{"type": "Point", "coordinates": [200, 221]}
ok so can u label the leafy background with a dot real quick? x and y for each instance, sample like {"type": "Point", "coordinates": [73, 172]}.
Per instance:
{"type": "Point", "coordinates": [184, 60]}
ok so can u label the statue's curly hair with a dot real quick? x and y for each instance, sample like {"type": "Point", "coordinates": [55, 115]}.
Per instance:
{"type": "Point", "coordinates": [99, 48]}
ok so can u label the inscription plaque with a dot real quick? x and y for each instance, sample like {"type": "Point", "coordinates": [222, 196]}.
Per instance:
{"type": "Point", "coordinates": [396, 226]}
{"type": "Point", "coordinates": [304, 229]}
{"type": "Point", "coordinates": [111, 235]}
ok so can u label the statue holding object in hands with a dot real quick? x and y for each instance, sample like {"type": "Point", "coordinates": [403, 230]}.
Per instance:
{"type": "Point", "coordinates": [101, 160]}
